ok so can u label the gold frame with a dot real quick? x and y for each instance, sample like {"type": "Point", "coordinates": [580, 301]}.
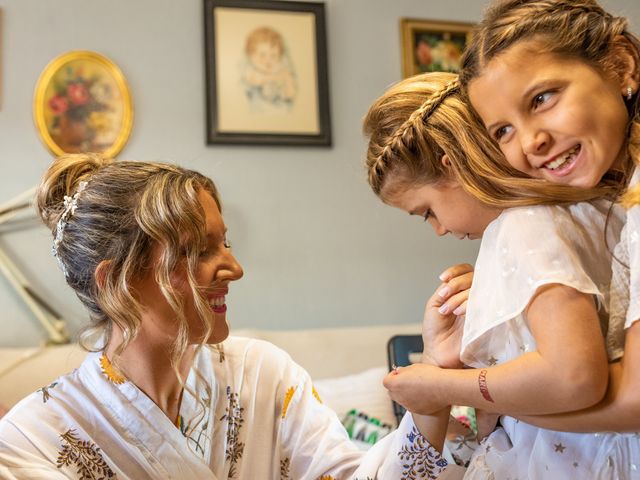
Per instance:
{"type": "Point", "coordinates": [408, 29]}
{"type": "Point", "coordinates": [45, 78]}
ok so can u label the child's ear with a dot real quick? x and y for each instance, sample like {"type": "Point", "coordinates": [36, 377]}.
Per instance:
{"type": "Point", "coordinates": [625, 59]}
{"type": "Point", "coordinates": [446, 161]}
{"type": "Point", "coordinates": [100, 275]}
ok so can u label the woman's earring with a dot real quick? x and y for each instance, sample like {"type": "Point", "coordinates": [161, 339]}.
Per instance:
{"type": "Point", "coordinates": [629, 93]}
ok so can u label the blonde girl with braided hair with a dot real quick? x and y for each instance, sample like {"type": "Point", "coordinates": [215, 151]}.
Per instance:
{"type": "Point", "coordinates": [166, 393]}
{"type": "Point", "coordinates": [537, 309]}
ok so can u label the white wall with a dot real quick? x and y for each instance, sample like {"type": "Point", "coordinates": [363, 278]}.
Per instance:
{"type": "Point", "coordinates": [317, 247]}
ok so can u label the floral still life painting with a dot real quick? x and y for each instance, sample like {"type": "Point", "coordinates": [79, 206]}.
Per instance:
{"type": "Point", "coordinates": [82, 104]}
{"type": "Point", "coordinates": [431, 46]}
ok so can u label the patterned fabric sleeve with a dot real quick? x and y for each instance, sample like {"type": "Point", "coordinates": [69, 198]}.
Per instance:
{"type": "Point", "coordinates": [314, 443]}
{"type": "Point", "coordinates": [17, 463]}
{"type": "Point", "coordinates": [406, 455]}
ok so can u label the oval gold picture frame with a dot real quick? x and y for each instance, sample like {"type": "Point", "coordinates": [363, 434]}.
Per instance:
{"type": "Point", "coordinates": [82, 103]}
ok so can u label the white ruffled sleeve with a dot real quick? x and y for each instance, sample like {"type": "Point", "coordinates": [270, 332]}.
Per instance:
{"type": "Point", "coordinates": [522, 250]}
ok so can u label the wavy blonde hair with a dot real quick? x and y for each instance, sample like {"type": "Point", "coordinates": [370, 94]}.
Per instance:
{"type": "Point", "coordinates": [126, 209]}
{"type": "Point", "coordinates": [579, 29]}
{"type": "Point", "coordinates": [420, 119]}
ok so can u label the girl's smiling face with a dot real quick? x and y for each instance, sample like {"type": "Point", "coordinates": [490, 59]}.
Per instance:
{"type": "Point", "coordinates": [553, 117]}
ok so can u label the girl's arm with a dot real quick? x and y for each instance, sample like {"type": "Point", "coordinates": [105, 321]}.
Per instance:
{"type": "Point", "coordinates": [433, 427]}
{"type": "Point", "coordinates": [441, 335]}
{"type": "Point", "coordinates": [567, 372]}
{"type": "Point", "coordinates": [619, 411]}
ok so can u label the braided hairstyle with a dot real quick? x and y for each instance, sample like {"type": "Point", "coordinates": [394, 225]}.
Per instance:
{"type": "Point", "coordinates": [579, 29]}
{"type": "Point", "coordinates": [420, 119]}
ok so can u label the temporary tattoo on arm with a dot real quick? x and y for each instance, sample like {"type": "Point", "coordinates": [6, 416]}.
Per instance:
{"type": "Point", "coordinates": [482, 382]}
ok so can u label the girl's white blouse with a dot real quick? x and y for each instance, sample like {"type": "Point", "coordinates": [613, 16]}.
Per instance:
{"type": "Point", "coordinates": [524, 249]}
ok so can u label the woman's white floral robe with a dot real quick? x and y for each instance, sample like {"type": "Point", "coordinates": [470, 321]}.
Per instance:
{"type": "Point", "coordinates": [248, 413]}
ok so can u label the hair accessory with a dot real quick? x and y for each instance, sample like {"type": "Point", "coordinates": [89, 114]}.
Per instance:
{"type": "Point", "coordinates": [629, 93]}
{"type": "Point", "coordinates": [70, 205]}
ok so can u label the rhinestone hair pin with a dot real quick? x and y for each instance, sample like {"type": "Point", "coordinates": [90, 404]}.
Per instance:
{"type": "Point", "coordinates": [70, 205]}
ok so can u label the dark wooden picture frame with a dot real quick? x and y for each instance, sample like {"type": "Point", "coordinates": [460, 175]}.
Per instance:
{"type": "Point", "coordinates": [267, 80]}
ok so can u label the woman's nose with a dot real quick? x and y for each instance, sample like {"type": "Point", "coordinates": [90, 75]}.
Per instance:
{"type": "Point", "coordinates": [231, 270]}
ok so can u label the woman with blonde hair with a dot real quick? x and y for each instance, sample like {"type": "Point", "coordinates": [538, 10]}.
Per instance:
{"type": "Point", "coordinates": [537, 308]}
{"type": "Point", "coordinates": [166, 392]}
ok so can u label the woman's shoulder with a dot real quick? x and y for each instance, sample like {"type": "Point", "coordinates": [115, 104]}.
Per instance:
{"type": "Point", "coordinates": [253, 354]}
{"type": "Point", "coordinates": [238, 345]}
{"type": "Point", "coordinates": [41, 412]}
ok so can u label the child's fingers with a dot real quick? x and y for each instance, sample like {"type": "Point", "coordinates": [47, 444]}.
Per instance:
{"type": "Point", "coordinates": [456, 285]}
{"type": "Point", "coordinates": [454, 271]}
{"type": "Point", "coordinates": [456, 304]}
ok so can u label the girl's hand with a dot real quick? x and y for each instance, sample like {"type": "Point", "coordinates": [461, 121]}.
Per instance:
{"type": "Point", "coordinates": [444, 317]}
{"type": "Point", "coordinates": [416, 388]}
{"type": "Point", "coordinates": [486, 422]}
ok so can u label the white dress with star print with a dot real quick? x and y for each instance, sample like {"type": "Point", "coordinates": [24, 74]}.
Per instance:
{"type": "Point", "coordinates": [522, 250]}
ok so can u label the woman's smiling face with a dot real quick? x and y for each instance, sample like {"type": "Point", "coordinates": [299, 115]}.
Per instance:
{"type": "Point", "coordinates": [553, 117]}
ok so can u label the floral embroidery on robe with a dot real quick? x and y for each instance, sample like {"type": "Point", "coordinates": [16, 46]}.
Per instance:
{"type": "Point", "coordinates": [421, 458]}
{"type": "Point", "coordinates": [235, 418]}
{"type": "Point", "coordinates": [85, 455]}
{"type": "Point", "coordinates": [46, 395]}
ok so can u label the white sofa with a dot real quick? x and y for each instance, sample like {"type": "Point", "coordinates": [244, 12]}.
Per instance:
{"type": "Point", "coordinates": [347, 365]}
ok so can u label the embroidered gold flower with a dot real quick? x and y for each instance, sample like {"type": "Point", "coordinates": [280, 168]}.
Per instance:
{"type": "Point", "coordinates": [315, 394]}
{"type": "Point", "coordinates": [326, 477]}
{"type": "Point", "coordinates": [110, 371]}
{"type": "Point", "coordinates": [287, 400]}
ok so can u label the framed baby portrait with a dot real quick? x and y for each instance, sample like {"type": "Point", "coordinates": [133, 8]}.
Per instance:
{"type": "Point", "coordinates": [82, 104]}
{"type": "Point", "coordinates": [266, 73]}
{"type": "Point", "coordinates": [431, 46]}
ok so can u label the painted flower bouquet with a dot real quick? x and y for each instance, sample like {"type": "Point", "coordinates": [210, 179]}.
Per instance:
{"type": "Point", "coordinates": [80, 109]}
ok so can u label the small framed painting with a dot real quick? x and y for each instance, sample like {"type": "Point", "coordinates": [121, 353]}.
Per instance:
{"type": "Point", "coordinates": [266, 73]}
{"type": "Point", "coordinates": [82, 103]}
{"type": "Point", "coordinates": [431, 46]}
